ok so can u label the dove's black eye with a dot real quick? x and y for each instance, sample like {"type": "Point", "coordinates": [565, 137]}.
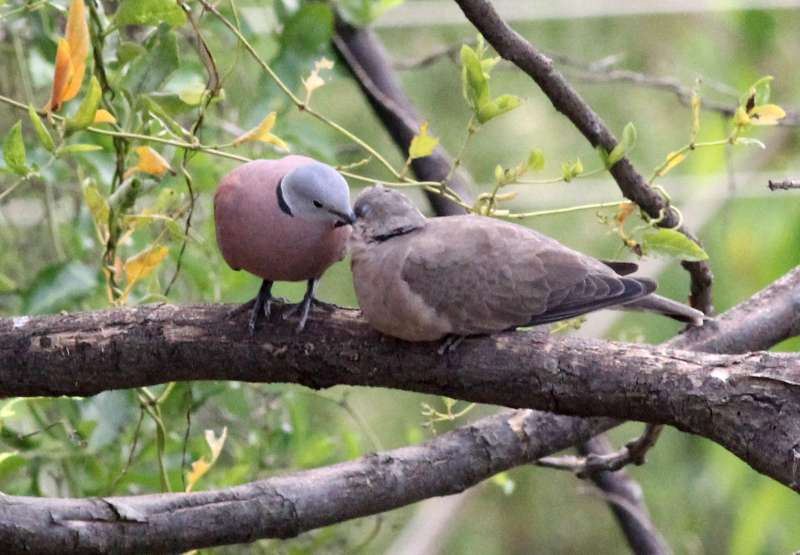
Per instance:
{"type": "Point", "coordinates": [317, 203]}
{"type": "Point", "coordinates": [361, 210]}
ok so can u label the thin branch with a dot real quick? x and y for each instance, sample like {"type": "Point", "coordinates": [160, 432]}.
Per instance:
{"type": "Point", "coordinates": [513, 47]}
{"type": "Point", "coordinates": [784, 184]}
{"type": "Point", "coordinates": [592, 463]}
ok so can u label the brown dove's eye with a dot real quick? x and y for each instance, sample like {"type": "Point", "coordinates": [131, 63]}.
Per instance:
{"type": "Point", "coordinates": [318, 204]}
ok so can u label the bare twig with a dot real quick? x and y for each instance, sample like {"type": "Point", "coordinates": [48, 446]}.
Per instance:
{"type": "Point", "coordinates": [784, 184]}
{"type": "Point", "coordinates": [632, 453]}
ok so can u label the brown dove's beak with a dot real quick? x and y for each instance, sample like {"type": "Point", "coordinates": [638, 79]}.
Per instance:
{"type": "Point", "coordinates": [344, 219]}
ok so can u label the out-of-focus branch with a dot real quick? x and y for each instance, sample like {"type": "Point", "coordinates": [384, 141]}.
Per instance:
{"type": "Point", "coordinates": [285, 506]}
{"type": "Point", "coordinates": [625, 497]}
{"type": "Point", "coordinates": [367, 60]}
{"type": "Point", "coordinates": [602, 71]}
{"type": "Point", "coordinates": [514, 48]}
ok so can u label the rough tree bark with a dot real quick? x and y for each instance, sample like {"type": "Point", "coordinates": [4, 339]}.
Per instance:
{"type": "Point", "coordinates": [746, 402]}
{"type": "Point", "coordinates": [288, 505]}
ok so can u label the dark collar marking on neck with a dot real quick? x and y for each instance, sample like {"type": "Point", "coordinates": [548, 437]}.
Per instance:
{"type": "Point", "coordinates": [281, 201]}
{"type": "Point", "coordinates": [396, 232]}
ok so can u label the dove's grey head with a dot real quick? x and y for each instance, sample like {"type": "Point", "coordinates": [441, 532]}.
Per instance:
{"type": "Point", "coordinates": [316, 191]}
{"type": "Point", "coordinates": [382, 213]}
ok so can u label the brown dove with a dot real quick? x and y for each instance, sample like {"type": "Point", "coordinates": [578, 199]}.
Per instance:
{"type": "Point", "coordinates": [424, 279]}
{"type": "Point", "coordinates": [283, 220]}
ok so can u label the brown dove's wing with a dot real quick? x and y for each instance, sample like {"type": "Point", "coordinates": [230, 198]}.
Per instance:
{"type": "Point", "coordinates": [484, 276]}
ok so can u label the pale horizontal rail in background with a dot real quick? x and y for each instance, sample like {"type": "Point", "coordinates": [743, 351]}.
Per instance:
{"type": "Point", "coordinates": [428, 13]}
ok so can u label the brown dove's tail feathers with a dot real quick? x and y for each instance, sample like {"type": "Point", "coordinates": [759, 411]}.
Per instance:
{"type": "Point", "coordinates": [667, 307]}
{"type": "Point", "coordinates": [633, 289]}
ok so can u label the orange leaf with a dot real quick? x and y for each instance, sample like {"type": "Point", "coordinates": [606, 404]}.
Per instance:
{"type": "Point", "coordinates": [63, 73]}
{"type": "Point", "coordinates": [150, 162]}
{"type": "Point", "coordinates": [78, 39]}
{"type": "Point", "coordinates": [104, 116]}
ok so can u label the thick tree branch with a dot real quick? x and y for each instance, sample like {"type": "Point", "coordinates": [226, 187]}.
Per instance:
{"type": "Point", "coordinates": [513, 47]}
{"type": "Point", "coordinates": [285, 506]}
{"type": "Point", "coordinates": [747, 403]}
{"type": "Point", "coordinates": [182, 521]}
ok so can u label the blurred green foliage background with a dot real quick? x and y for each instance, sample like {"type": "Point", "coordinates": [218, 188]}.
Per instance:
{"type": "Point", "coordinates": [702, 498]}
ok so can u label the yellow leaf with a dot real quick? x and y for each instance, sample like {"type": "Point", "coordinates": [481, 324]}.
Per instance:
{"type": "Point", "coordinates": [314, 81]}
{"type": "Point", "coordinates": [766, 114]}
{"type": "Point", "coordinates": [150, 162]}
{"type": "Point", "coordinates": [104, 116]}
{"type": "Point", "coordinates": [199, 468]}
{"type": "Point", "coordinates": [695, 114]}
{"type": "Point", "coordinates": [673, 159]}
{"type": "Point", "coordinates": [78, 38]}
{"type": "Point", "coordinates": [262, 133]}
{"type": "Point", "coordinates": [61, 76]}
{"type": "Point", "coordinates": [142, 265]}
{"type": "Point", "coordinates": [740, 117]}
{"type": "Point", "coordinates": [216, 443]}
{"type": "Point", "coordinates": [423, 144]}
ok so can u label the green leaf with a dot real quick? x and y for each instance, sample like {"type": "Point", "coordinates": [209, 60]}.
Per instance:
{"type": "Point", "coordinates": [603, 155]}
{"type": "Point", "coordinates": [571, 170]}
{"type": "Point", "coordinates": [7, 285]}
{"type": "Point", "coordinates": [422, 144]}
{"type": "Point", "coordinates": [758, 93]}
{"type": "Point", "coordinates": [363, 12]}
{"type": "Point", "coordinates": [149, 12]}
{"type": "Point", "coordinates": [497, 107]}
{"type": "Point", "coordinates": [624, 146]}
{"type": "Point", "coordinates": [44, 135]}
{"type": "Point", "coordinates": [77, 148]}
{"type": "Point", "coordinates": [58, 286]}
{"type": "Point", "coordinates": [536, 160]}
{"type": "Point", "coordinates": [128, 51]}
{"type": "Point", "coordinates": [504, 482]}
{"type": "Point", "coordinates": [474, 81]}
{"type": "Point", "coordinates": [192, 94]}
{"type": "Point", "coordinates": [309, 29]}
{"type": "Point", "coordinates": [147, 73]}
{"type": "Point", "coordinates": [14, 151]}
{"type": "Point", "coordinates": [84, 117]}
{"type": "Point", "coordinates": [671, 242]}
